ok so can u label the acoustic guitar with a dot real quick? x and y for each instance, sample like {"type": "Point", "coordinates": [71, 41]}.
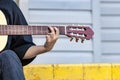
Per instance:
{"type": "Point", "coordinates": [78, 32]}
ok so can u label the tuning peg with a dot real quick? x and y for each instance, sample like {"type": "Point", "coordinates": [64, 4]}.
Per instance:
{"type": "Point", "coordinates": [82, 40]}
{"type": "Point", "coordinates": [77, 39]}
{"type": "Point", "coordinates": [71, 38]}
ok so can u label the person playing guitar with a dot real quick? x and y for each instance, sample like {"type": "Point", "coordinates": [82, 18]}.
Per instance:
{"type": "Point", "coordinates": [19, 50]}
{"type": "Point", "coordinates": [16, 46]}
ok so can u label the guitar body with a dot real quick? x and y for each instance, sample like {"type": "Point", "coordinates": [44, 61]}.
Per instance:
{"type": "Point", "coordinates": [3, 38]}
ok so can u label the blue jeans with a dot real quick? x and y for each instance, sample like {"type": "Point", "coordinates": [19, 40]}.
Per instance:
{"type": "Point", "coordinates": [10, 66]}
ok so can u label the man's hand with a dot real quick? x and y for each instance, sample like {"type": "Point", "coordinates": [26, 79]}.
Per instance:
{"type": "Point", "coordinates": [51, 38]}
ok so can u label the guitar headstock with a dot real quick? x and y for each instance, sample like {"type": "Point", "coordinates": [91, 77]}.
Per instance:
{"type": "Point", "coordinates": [79, 32]}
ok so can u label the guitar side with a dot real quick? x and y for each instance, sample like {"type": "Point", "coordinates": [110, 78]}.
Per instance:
{"type": "Point", "coordinates": [3, 38]}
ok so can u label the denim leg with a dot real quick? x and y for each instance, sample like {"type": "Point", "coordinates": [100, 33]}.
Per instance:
{"type": "Point", "coordinates": [10, 66]}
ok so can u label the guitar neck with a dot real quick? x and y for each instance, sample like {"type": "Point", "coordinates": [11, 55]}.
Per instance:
{"type": "Point", "coordinates": [27, 30]}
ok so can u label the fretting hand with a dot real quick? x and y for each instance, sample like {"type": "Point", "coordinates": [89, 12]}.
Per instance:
{"type": "Point", "coordinates": [51, 38]}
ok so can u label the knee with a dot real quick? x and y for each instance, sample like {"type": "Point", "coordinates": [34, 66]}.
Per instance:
{"type": "Point", "coordinates": [8, 51]}
{"type": "Point", "coordinates": [9, 57]}
{"type": "Point", "coordinates": [8, 54]}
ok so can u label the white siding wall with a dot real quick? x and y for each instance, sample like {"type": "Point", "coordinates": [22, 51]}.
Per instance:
{"type": "Point", "coordinates": [110, 25]}
{"type": "Point", "coordinates": [102, 15]}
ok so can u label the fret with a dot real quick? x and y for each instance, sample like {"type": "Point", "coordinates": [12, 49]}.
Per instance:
{"type": "Point", "coordinates": [22, 29]}
{"type": "Point", "coordinates": [35, 29]}
{"type": "Point", "coordinates": [43, 29]}
{"type": "Point", "coordinates": [40, 29]}
{"type": "Point", "coordinates": [27, 30]}
{"type": "Point", "coordinates": [1, 29]}
{"type": "Point", "coordinates": [14, 29]}
{"type": "Point", "coordinates": [19, 30]}
{"type": "Point", "coordinates": [9, 29]}
{"type": "Point", "coordinates": [31, 29]}
{"type": "Point", "coordinates": [5, 29]}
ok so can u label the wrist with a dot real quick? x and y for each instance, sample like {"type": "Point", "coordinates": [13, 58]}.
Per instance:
{"type": "Point", "coordinates": [47, 47]}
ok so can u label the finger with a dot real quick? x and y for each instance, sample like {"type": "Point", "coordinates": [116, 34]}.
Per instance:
{"type": "Point", "coordinates": [47, 37]}
{"type": "Point", "coordinates": [51, 30]}
{"type": "Point", "coordinates": [56, 31]}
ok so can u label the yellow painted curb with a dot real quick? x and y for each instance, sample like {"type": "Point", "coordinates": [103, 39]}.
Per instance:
{"type": "Point", "coordinates": [38, 72]}
{"type": "Point", "coordinates": [73, 72]}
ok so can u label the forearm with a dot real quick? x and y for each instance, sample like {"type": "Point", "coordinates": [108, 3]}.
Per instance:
{"type": "Point", "coordinates": [34, 51]}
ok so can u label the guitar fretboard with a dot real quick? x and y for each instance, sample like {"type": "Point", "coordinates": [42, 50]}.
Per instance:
{"type": "Point", "coordinates": [27, 30]}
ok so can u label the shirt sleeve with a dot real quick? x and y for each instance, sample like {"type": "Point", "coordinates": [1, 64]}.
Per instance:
{"type": "Point", "coordinates": [20, 44]}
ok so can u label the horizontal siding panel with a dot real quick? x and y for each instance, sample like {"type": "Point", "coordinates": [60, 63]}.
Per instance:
{"type": "Point", "coordinates": [110, 21]}
{"type": "Point", "coordinates": [63, 58]}
{"type": "Point", "coordinates": [110, 9]}
{"type": "Point", "coordinates": [60, 5]}
{"type": "Point", "coordinates": [64, 44]}
{"type": "Point", "coordinates": [111, 34]}
{"type": "Point", "coordinates": [111, 48]}
{"type": "Point", "coordinates": [111, 58]}
{"type": "Point", "coordinates": [110, 1]}
{"type": "Point", "coordinates": [110, 31]}
{"type": "Point", "coordinates": [60, 17]}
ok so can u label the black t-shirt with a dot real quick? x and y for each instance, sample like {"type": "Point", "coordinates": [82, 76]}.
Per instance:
{"type": "Point", "coordinates": [19, 44]}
